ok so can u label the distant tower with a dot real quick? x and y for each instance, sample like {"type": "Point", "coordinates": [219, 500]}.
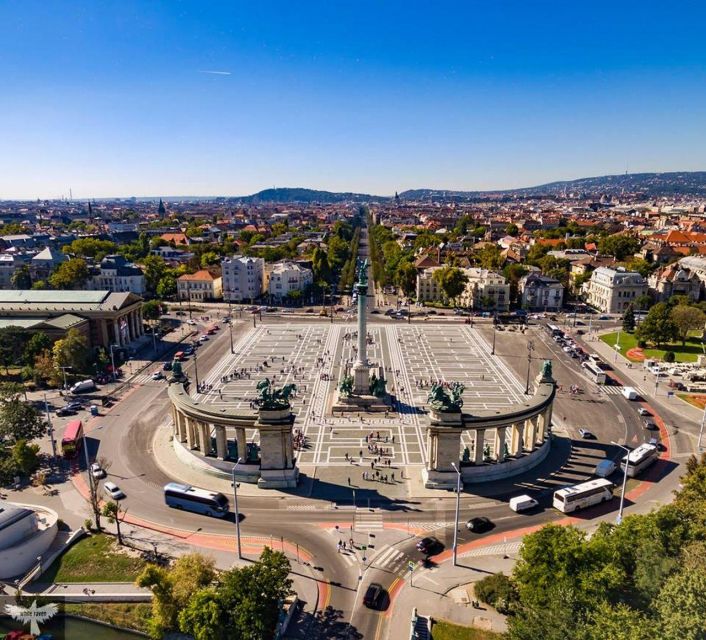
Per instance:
{"type": "Point", "coordinates": [90, 210]}
{"type": "Point", "coordinates": [161, 210]}
{"type": "Point", "coordinates": [397, 198]}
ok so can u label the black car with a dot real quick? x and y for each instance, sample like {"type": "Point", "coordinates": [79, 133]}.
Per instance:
{"type": "Point", "coordinates": [429, 545]}
{"type": "Point", "coordinates": [65, 411]}
{"type": "Point", "coordinates": [479, 524]}
{"type": "Point", "coordinates": [373, 595]}
{"type": "Point", "coordinates": [166, 366]}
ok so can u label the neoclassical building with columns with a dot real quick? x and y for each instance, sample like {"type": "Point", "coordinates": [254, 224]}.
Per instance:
{"type": "Point", "coordinates": [113, 318]}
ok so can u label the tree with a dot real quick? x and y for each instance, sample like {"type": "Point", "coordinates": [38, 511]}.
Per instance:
{"type": "Point", "coordinates": [320, 266]}
{"type": "Point", "coordinates": [174, 588]}
{"type": "Point", "coordinates": [36, 345]}
{"type": "Point", "coordinates": [112, 511]}
{"type": "Point", "coordinates": [681, 604]}
{"type": "Point", "coordinates": [152, 310]}
{"type": "Point", "coordinates": [71, 274]}
{"type": "Point", "coordinates": [657, 326]}
{"type": "Point", "coordinates": [490, 257]}
{"type": "Point", "coordinates": [45, 369]}
{"type": "Point", "coordinates": [12, 344]}
{"type": "Point", "coordinates": [512, 230]}
{"type": "Point", "coordinates": [406, 278]}
{"type": "Point", "coordinates": [338, 252]}
{"type": "Point", "coordinates": [496, 590]}
{"type": "Point", "coordinates": [18, 419]}
{"type": "Point", "coordinates": [22, 278]}
{"type": "Point", "coordinates": [643, 302]}
{"type": "Point", "coordinates": [167, 286]}
{"type": "Point", "coordinates": [619, 622]}
{"type": "Point", "coordinates": [155, 269]}
{"type": "Point", "coordinates": [629, 320]}
{"type": "Point", "coordinates": [452, 281]}
{"type": "Point", "coordinates": [71, 351]}
{"type": "Point", "coordinates": [90, 248]}
{"type": "Point", "coordinates": [203, 617]}
{"type": "Point", "coordinates": [25, 456]}
{"type": "Point", "coordinates": [619, 245]}
{"type": "Point", "coordinates": [687, 319]}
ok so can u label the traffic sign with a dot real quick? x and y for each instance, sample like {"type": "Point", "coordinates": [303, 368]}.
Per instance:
{"type": "Point", "coordinates": [411, 566]}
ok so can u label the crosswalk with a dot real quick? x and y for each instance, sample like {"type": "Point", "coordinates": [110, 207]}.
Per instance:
{"type": "Point", "coordinates": [616, 391]}
{"type": "Point", "coordinates": [494, 550]}
{"type": "Point", "coordinates": [368, 521]}
{"type": "Point", "coordinates": [390, 559]}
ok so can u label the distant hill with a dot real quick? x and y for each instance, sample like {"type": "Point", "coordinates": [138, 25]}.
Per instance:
{"type": "Point", "coordinates": [298, 194]}
{"type": "Point", "coordinates": [647, 184]}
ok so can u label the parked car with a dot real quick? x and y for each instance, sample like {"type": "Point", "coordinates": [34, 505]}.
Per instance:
{"type": "Point", "coordinates": [479, 524]}
{"type": "Point", "coordinates": [97, 471]}
{"type": "Point", "coordinates": [65, 411]}
{"type": "Point", "coordinates": [586, 434]}
{"type": "Point", "coordinates": [373, 595]}
{"type": "Point", "coordinates": [203, 338]}
{"type": "Point", "coordinates": [113, 490]}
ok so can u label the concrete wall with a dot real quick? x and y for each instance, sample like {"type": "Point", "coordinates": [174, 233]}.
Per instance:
{"type": "Point", "coordinates": [20, 558]}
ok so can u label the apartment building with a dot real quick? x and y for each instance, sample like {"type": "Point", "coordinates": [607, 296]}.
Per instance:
{"type": "Point", "coordinates": [115, 273]}
{"type": "Point", "coordinates": [200, 286]}
{"type": "Point", "coordinates": [541, 293]}
{"type": "Point", "coordinates": [243, 278]}
{"type": "Point", "coordinates": [613, 290]}
{"type": "Point", "coordinates": [484, 290]}
{"type": "Point", "coordinates": [285, 277]}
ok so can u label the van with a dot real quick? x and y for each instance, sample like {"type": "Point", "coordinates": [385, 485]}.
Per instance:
{"type": "Point", "coordinates": [605, 468]}
{"type": "Point", "coordinates": [84, 385]}
{"type": "Point", "coordinates": [630, 393]}
{"type": "Point", "coordinates": [522, 503]}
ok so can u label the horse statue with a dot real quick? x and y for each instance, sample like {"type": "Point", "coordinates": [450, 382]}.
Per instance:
{"type": "Point", "coordinates": [271, 398]}
{"type": "Point", "coordinates": [446, 397]}
{"type": "Point", "coordinates": [346, 386]}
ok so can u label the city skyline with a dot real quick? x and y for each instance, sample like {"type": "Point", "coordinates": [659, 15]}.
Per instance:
{"type": "Point", "coordinates": [140, 100]}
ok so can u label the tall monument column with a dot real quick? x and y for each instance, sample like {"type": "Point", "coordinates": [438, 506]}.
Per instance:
{"type": "Point", "coordinates": [361, 368]}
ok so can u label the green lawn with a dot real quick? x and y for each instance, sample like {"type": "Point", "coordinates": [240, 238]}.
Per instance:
{"type": "Point", "coordinates": [686, 353]}
{"type": "Point", "coordinates": [697, 400]}
{"type": "Point", "coordinates": [444, 630]}
{"type": "Point", "coordinates": [96, 558]}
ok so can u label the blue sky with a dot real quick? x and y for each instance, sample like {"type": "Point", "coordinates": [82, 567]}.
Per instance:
{"type": "Point", "coordinates": [116, 98]}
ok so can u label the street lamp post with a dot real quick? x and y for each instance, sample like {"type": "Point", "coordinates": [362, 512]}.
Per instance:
{"type": "Point", "coordinates": [530, 349]}
{"type": "Point", "coordinates": [50, 430]}
{"type": "Point", "coordinates": [619, 519]}
{"type": "Point", "coordinates": [617, 346]}
{"type": "Point", "coordinates": [112, 360]}
{"type": "Point", "coordinates": [458, 505]}
{"type": "Point", "coordinates": [237, 513]}
{"type": "Point", "coordinates": [196, 371]}
{"type": "Point", "coordinates": [701, 430]}
{"type": "Point", "coordinates": [63, 371]}
{"type": "Point", "coordinates": [492, 352]}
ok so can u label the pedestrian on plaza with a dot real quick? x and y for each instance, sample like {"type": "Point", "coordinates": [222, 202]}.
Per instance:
{"type": "Point", "coordinates": [393, 477]}
{"type": "Point", "coordinates": [349, 481]}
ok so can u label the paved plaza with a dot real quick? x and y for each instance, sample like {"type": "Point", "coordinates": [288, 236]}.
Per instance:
{"type": "Point", "coordinates": [313, 356]}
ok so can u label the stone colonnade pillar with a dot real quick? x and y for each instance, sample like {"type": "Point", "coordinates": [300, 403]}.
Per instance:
{"type": "Point", "coordinates": [479, 446]}
{"type": "Point", "coordinates": [500, 443]}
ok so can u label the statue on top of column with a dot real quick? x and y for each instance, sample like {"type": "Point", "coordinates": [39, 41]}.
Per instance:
{"type": "Point", "coordinates": [271, 398]}
{"type": "Point", "coordinates": [446, 396]}
{"type": "Point", "coordinates": [363, 272]}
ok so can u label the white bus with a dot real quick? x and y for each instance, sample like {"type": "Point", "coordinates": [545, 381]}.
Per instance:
{"type": "Point", "coordinates": [583, 495]}
{"type": "Point", "coordinates": [594, 372]}
{"type": "Point", "coordinates": [184, 496]}
{"type": "Point", "coordinates": [554, 330]}
{"type": "Point", "coordinates": [639, 459]}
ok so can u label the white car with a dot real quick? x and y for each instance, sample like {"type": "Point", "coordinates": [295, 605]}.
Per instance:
{"type": "Point", "coordinates": [157, 375]}
{"type": "Point", "coordinates": [203, 338]}
{"type": "Point", "coordinates": [191, 322]}
{"type": "Point", "coordinates": [97, 471]}
{"type": "Point", "coordinates": [643, 412]}
{"type": "Point", "coordinates": [113, 490]}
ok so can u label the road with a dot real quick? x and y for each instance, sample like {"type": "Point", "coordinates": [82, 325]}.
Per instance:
{"type": "Point", "coordinates": [125, 436]}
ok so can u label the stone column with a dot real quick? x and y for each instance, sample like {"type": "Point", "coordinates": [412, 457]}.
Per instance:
{"type": "Point", "coordinates": [221, 443]}
{"type": "Point", "coordinates": [190, 433]}
{"type": "Point", "coordinates": [181, 426]}
{"type": "Point", "coordinates": [241, 442]}
{"type": "Point", "coordinates": [500, 443]}
{"type": "Point", "coordinates": [478, 446]}
{"type": "Point", "coordinates": [116, 333]}
{"type": "Point", "coordinates": [204, 438]}
{"type": "Point", "coordinates": [516, 439]}
{"type": "Point", "coordinates": [140, 323]}
{"type": "Point", "coordinates": [104, 333]}
{"type": "Point", "coordinates": [528, 434]}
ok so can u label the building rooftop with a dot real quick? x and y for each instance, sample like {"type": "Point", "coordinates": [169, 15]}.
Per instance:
{"type": "Point", "coordinates": [9, 514]}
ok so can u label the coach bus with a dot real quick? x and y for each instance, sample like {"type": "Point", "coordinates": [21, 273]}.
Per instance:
{"type": "Point", "coordinates": [583, 495]}
{"type": "Point", "coordinates": [594, 372]}
{"type": "Point", "coordinates": [554, 330]}
{"type": "Point", "coordinates": [72, 440]}
{"type": "Point", "coordinates": [184, 496]}
{"type": "Point", "coordinates": [639, 459]}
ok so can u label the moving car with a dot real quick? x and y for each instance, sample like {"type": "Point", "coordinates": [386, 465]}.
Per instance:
{"type": "Point", "coordinates": [586, 434]}
{"type": "Point", "coordinates": [65, 411]}
{"type": "Point", "coordinates": [480, 524]}
{"type": "Point", "coordinates": [157, 375]}
{"type": "Point", "coordinates": [373, 595]}
{"type": "Point", "coordinates": [522, 503]}
{"type": "Point", "coordinates": [113, 490]}
{"type": "Point", "coordinates": [84, 385]}
{"type": "Point", "coordinates": [166, 366]}
{"type": "Point", "coordinates": [428, 545]}
{"type": "Point", "coordinates": [605, 468]}
{"type": "Point", "coordinates": [97, 471]}
{"type": "Point", "coordinates": [650, 423]}
{"type": "Point", "coordinates": [643, 412]}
